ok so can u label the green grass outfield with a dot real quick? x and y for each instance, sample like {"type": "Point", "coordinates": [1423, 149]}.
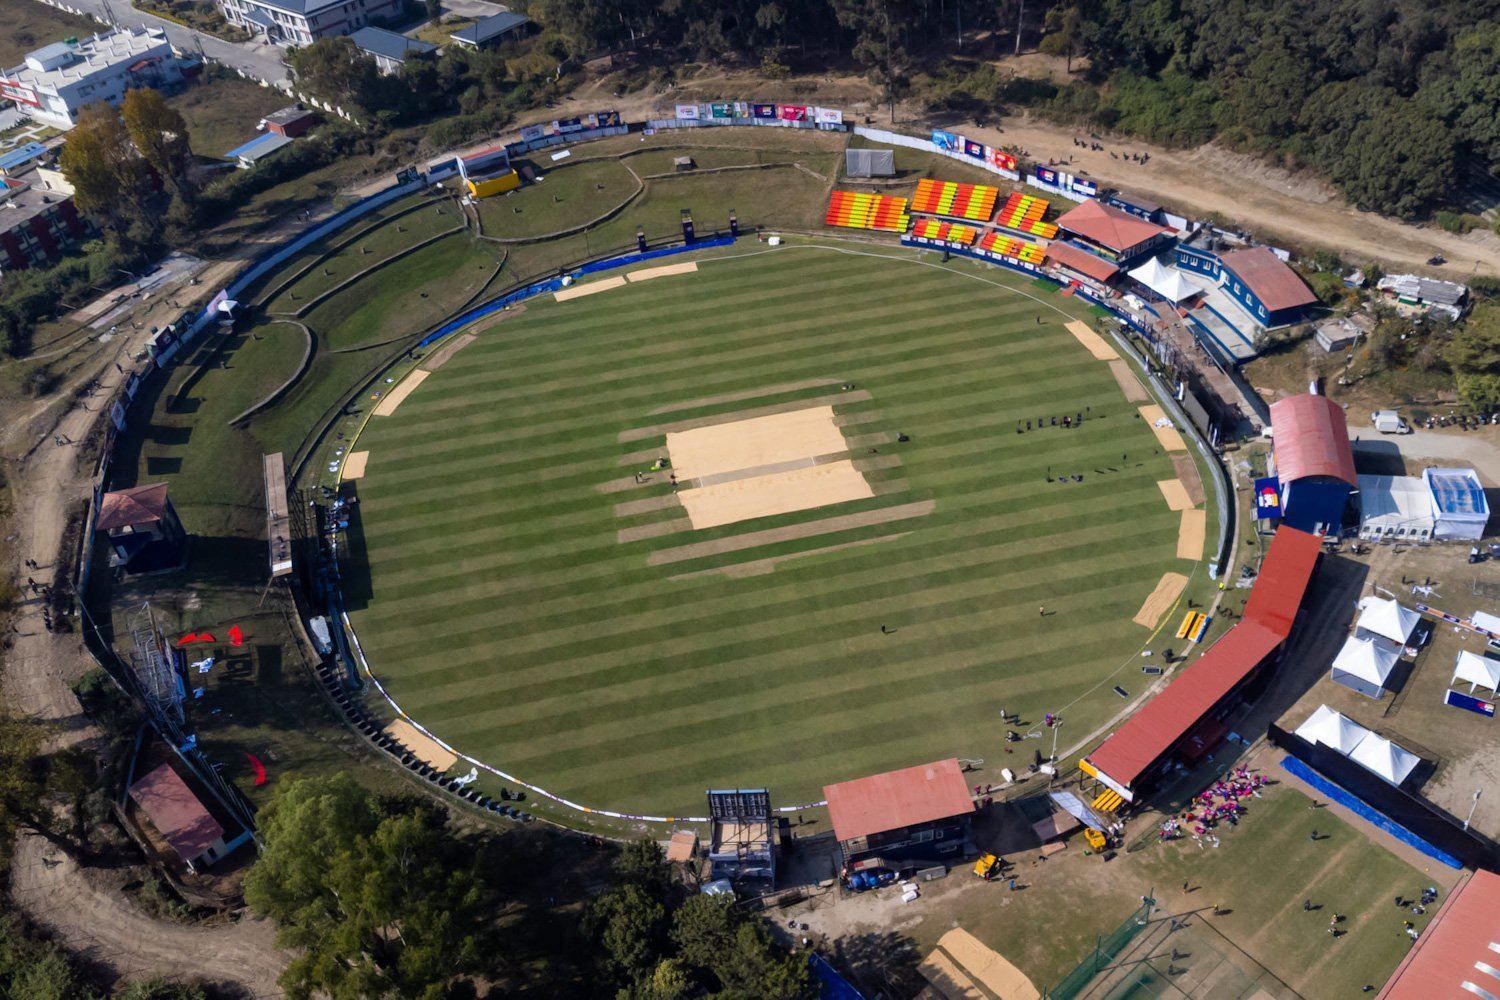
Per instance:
{"type": "Point", "coordinates": [506, 615]}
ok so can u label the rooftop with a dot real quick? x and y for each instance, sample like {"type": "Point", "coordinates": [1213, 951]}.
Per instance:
{"type": "Point", "coordinates": [1459, 953]}
{"type": "Point", "coordinates": [1446, 293]}
{"type": "Point", "coordinates": [288, 115]}
{"type": "Point", "coordinates": [1109, 226]}
{"type": "Point", "coordinates": [378, 41]}
{"type": "Point", "coordinates": [61, 64]}
{"type": "Point", "coordinates": [1457, 491]}
{"type": "Point", "coordinates": [1081, 261]}
{"type": "Point", "coordinates": [135, 506]}
{"type": "Point", "coordinates": [21, 156]}
{"type": "Point", "coordinates": [491, 27]}
{"type": "Point", "coordinates": [259, 147]}
{"type": "Point", "coordinates": [176, 812]}
{"type": "Point", "coordinates": [1311, 438]}
{"type": "Point", "coordinates": [1271, 279]}
{"type": "Point", "coordinates": [20, 202]}
{"type": "Point", "coordinates": [898, 799]}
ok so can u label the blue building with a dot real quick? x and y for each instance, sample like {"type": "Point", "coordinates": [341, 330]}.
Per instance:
{"type": "Point", "coordinates": [1260, 283]}
{"type": "Point", "coordinates": [1141, 208]}
{"type": "Point", "coordinates": [1311, 457]}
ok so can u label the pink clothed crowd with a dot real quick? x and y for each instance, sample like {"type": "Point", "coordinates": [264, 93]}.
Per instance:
{"type": "Point", "coordinates": [1219, 803]}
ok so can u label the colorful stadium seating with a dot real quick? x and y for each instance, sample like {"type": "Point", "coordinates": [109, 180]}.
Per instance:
{"type": "Point", "coordinates": [867, 211]}
{"type": "Point", "coordinates": [950, 198]}
{"type": "Point", "coordinates": [1009, 246]}
{"type": "Point", "coordinates": [1023, 212]}
{"type": "Point", "coordinates": [932, 229]}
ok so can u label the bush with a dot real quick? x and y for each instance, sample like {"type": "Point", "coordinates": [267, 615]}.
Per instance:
{"type": "Point", "coordinates": [1453, 222]}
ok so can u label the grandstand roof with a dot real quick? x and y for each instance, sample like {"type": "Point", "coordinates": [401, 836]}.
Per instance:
{"type": "Point", "coordinates": [1267, 621]}
{"type": "Point", "coordinates": [176, 812]}
{"type": "Point", "coordinates": [1311, 439]}
{"type": "Point", "coordinates": [1270, 278]}
{"type": "Point", "coordinates": [1081, 261]}
{"type": "Point", "coordinates": [898, 799]}
{"type": "Point", "coordinates": [1109, 226]}
{"type": "Point", "coordinates": [1458, 955]}
{"type": "Point", "coordinates": [137, 505]}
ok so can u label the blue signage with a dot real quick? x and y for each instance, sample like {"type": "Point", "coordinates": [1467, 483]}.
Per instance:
{"type": "Point", "coordinates": [1267, 497]}
{"type": "Point", "coordinates": [1475, 705]}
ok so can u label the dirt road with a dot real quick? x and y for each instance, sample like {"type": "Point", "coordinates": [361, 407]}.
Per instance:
{"type": "Point", "coordinates": [90, 913]}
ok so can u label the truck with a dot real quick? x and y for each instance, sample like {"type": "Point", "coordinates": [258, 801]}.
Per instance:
{"type": "Point", "coordinates": [1389, 422]}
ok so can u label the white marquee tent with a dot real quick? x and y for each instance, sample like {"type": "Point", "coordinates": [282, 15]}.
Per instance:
{"type": "Point", "coordinates": [1395, 507]}
{"type": "Point", "coordinates": [1383, 619]}
{"type": "Point", "coordinates": [1332, 729]}
{"type": "Point", "coordinates": [1477, 671]}
{"type": "Point", "coordinates": [1363, 665]}
{"type": "Point", "coordinates": [1165, 281]}
{"type": "Point", "coordinates": [1378, 754]}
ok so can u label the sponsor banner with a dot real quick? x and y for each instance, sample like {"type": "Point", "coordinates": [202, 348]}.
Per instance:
{"type": "Point", "coordinates": [1003, 160]}
{"type": "Point", "coordinates": [687, 112]}
{"type": "Point", "coordinates": [830, 116]}
{"type": "Point", "coordinates": [721, 109]}
{"type": "Point", "coordinates": [117, 414]}
{"type": "Point", "coordinates": [10, 90]}
{"type": "Point", "coordinates": [608, 119]}
{"type": "Point", "coordinates": [763, 111]}
{"type": "Point", "coordinates": [1066, 183]}
{"type": "Point", "coordinates": [1460, 700]}
{"type": "Point", "coordinates": [794, 112]}
{"type": "Point", "coordinates": [977, 150]}
{"type": "Point", "coordinates": [1267, 497]}
{"type": "Point", "coordinates": [945, 141]}
{"type": "Point", "coordinates": [567, 125]}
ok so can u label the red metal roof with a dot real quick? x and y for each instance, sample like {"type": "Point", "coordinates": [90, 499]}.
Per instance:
{"type": "Point", "coordinates": [897, 799]}
{"type": "Point", "coordinates": [1311, 438]}
{"type": "Point", "coordinates": [1270, 278]}
{"type": "Point", "coordinates": [1109, 227]}
{"type": "Point", "coordinates": [1459, 948]}
{"type": "Point", "coordinates": [176, 812]}
{"type": "Point", "coordinates": [1082, 261]}
{"type": "Point", "coordinates": [137, 505]}
{"type": "Point", "coordinates": [1131, 750]}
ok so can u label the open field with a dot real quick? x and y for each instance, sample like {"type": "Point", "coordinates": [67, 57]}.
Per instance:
{"type": "Point", "coordinates": [515, 611]}
{"type": "Point", "coordinates": [30, 25]}
{"type": "Point", "coordinates": [221, 111]}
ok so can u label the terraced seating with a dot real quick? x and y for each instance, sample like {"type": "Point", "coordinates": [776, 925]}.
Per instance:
{"type": "Point", "coordinates": [1009, 246]}
{"type": "Point", "coordinates": [1023, 213]}
{"type": "Point", "coordinates": [853, 210]}
{"type": "Point", "coordinates": [933, 229]}
{"type": "Point", "coordinates": [956, 200]}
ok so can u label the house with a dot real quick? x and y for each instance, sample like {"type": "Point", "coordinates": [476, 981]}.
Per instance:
{"type": "Point", "coordinates": [182, 819]}
{"type": "Point", "coordinates": [1112, 233]}
{"type": "Point", "coordinates": [257, 149]}
{"type": "Point", "coordinates": [1337, 334]}
{"type": "Point", "coordinates": [302, 22]}
{"type": "Point", "coordinates": [144, 532]}
{"type": "Point", "coordinates": [1141, 208]}
{"type": "Point", "coordinates": [290, 122]}
{"type": "Point", "coordinates": [57, 80]}
{"type": "Point", "coordinates": [492, 30]}
{"type": "Point", "coordinates": [1447, 298]}
{"type": "Point", "coordinates": [911, 817]}
{"type": "Point", "coordinates": [37, 223]}
{"type": "Point", "coordinates": [389, 49]}
{"type": "Point", "coordinates": [1313, 462]}
{"type": "Point", "coordinates": [1261, 284]}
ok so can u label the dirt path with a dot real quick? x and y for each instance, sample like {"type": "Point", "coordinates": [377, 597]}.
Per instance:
{"type": "Point", "coordinates": [97, 921]}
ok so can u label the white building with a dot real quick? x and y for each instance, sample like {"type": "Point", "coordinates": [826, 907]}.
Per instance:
{"type": "Point", "coordinates": [302, 22]}
{"type": "Point", "coordinates": [1459, 502]}
{"type": "Point", "coordinates": [1395, 508]}
{"type": "Point", "coordinates": [57, 80]}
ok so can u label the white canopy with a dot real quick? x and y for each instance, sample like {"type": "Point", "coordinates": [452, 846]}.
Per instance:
{"type": "Point", "coordinates": [1368, 659]}
{"type": "Point", "coordinates": [1477, 670]}
{"type": "Point", "coordinates": [1165, 281]}
{"type": "Point", "coordinates": [1332, 729]}
{"type": "Point", "coordinates": [1385, 619]}
{"type": "Point", "coordinates": [1486, 621]}
{"type": "Point", "coordinates": [1385, 758]}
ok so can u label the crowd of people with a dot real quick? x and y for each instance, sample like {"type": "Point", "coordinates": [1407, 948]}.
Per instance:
{"type": "Point", "coordinates": [1220, 803]}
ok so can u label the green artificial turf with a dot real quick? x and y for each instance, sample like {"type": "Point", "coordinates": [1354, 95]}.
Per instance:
{"type": "Point", "coordinates": [506, 614]}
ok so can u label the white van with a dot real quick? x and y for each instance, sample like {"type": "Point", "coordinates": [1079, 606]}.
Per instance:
{"type": "Point", "coordinates": [1389, 422]}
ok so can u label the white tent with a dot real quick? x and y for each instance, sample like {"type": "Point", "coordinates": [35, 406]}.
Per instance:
{"type": "Point", "coordinates": [1333, 730]}
{"type": "Point", "coordinates": [1490, 623]}
{"type": "Point", "coordinates": [1364, 664]}
{"type": "Point", "coordinates": [1380, 618]}
{"type": "Point", "coordinates": [1167, 282]}
{"type": "Point", "coordinates": [1477, 670]}
{"type": "Point", "coordinates": [1395, 507]}
{"type": "Point", "coordinates": [1459, 502]}
{"type": "Point", "coordinates": [1385, 758]}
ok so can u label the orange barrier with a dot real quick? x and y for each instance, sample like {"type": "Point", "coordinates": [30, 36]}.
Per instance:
{"type": "Point", "coordinates": [951, 198]}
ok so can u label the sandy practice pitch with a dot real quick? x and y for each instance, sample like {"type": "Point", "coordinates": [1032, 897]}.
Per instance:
{"type": "Point", "coordinates": [779, 493]}
{"type": "Point", "coordinates": [946, 977]}
{"type": "Point", "coordinates": [1097, 346]}
{"type": "Point", "coordinates": [1129, 384]}
{"type": "Point", "coordinates": [394, 398]}
{"type": "Point", "coordinates": [1169, 437]}
{"type": "Point", "coordinates": [1168, 589]}
{"type": "Point", "coordinates": [664, 271]}
{"type": "Point", "coordinates": [354, 465]}
{"type": "Point", "coordinates": [749, 444]}
{"type": "Point", "coordinates": [424, 748]}
{"type": "Point", "coordinates": [989, 967]}
{"type": "Point", "coordinates": [440, 357]}
{"type": "Point", "coordinates": [579, 291]}
{"type": "Point", "coordinates": [1187, 471]}
{"type": "Point", "coordinates": [1176, 494]}
{"type": "Point", "coordinates": [1191, 534]}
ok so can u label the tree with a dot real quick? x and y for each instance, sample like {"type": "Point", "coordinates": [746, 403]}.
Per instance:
{"type": "Point", "coordinates": [627, 924]}
{"type": "Point", "coordinates": [714, 938]}
{"type": "Point", "coordinates": [1474, 356]}
{"type": "Point", "coordinates": [642, 863]}
{"type": "Point", "coordinates": [379, 897]}
{"type": "Point", "coordinates": [878, 26]}
{"type": "Point", "coordinates": [1064, 31]}
{"type": "Point", "coordinates": [334, 70]}
{"type": "Point", "coordinates": [160, 134]}
{"type": "Point", "coordinates": [107, 173]}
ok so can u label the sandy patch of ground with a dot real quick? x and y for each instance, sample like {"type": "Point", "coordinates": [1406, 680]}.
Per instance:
{"type": "Point", "coordinates": [1129, 384]}
{"type": "Point", "coordinates": [781, 493]}
{"type": "Point", "coordinates": [1176, 494]}
{"type": "Point", "coordinates": [440, 358]}
{"type": "Point", "coordinates": [593, 287]}
{"type": "Point", "coordinates": [660, 430]}
{"type": "Point", "coordinates": [396, 396]}
{"type": "Point", "coordinates": [422, 746]}
{"type": "Point", "coordinates": [1170, 438]}
{"type": "Point", "coordinates": [666, 270]}
{"type": "Point", "coordinates": [354, 465]}
{"type": "Point", "coordinates": [736, 397]}
{"type": "Point", "coordinates": [1096, 345]}
{"type": "Point", "coordinates": [1191, 534]}
{"type": "Point", "coordinates": [1187, 472]}
{"type": "Point", "coordinates": [994, 972]}
{"type": "Point", "coordinates": [939, 970]}
{"type": "Point", "coordinates": [748, 444]}
{"type": "Point", "coordinates": [760, 567]}
{"type": "Point", "coordinates": [811, 529]}
{"type": "Point", "coordinates": [1168, 589]}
